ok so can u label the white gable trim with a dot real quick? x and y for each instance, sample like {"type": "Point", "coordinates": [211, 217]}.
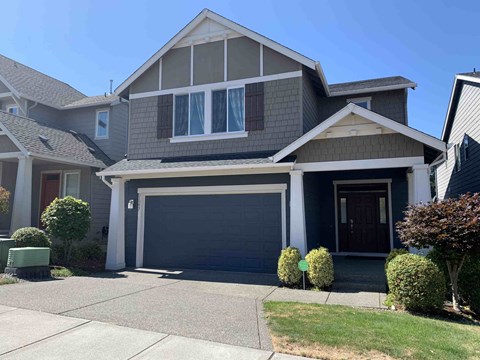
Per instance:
{"type": "Point", "coordinates": [370, 115]}
{"type": "Point", "coordinates": [234, 26]}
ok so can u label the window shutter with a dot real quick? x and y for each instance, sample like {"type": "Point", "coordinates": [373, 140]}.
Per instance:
{"type": "Point", "coordinates": [165, 116]}
{"type": "Point", "coordinates": [254, 119]}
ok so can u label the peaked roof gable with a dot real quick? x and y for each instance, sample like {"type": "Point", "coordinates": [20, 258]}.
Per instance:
{"type": "Point", "coordinates": [367, 114]}
{"type": "Point", "coordinates": [454, 98]}
{"type": "Point", "coordinates": [222, 21]}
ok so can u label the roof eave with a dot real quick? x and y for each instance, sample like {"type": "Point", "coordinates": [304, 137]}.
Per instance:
{"type": "Point", "coordinates": [374, 89]}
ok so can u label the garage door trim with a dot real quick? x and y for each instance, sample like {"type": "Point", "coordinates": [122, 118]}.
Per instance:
{"type": "Point", "coordinates": [206, 190]}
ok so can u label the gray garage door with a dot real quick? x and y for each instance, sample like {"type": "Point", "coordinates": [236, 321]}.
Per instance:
{"type": "Point", "coordinates": [221, 232]}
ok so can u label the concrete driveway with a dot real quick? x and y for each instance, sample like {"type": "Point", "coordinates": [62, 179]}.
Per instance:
{"type": "Point", "coordinates": [214, 306]}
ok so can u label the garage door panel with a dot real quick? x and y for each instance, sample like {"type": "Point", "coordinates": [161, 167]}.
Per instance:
{"type": "Point", "coordinates": [240, 232]}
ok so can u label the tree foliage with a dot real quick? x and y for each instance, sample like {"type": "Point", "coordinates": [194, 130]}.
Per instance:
{"type": "Point", "coordinates": [67, 219]}
{"type": "Point", "coordinates": [452, 226]}
{"type": "Point", "coordinates": [4, 200]}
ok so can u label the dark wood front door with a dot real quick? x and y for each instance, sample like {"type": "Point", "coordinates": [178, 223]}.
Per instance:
{"type": "Point", "coordinates": [49, 191]}
{"type": "Point", "coordinates": [363, 219]}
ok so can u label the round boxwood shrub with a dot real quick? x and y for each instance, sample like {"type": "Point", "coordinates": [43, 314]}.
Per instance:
{"type": "Point", "coordinates": [90, 251]}
{"type": "Point", "coordinates": [416, 283]}
{"type": "Point", "coordinates": [30, 237]}
{"type": "Point", "coordinates": [320, 268]}
{"type": "Point", "coordinates": [393, 254]}
{"type": "Point", "coordinates": [288, 272]}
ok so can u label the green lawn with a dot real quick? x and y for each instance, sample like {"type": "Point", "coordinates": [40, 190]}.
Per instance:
{"type": "Point", "coordinates": [60, 271]}
{"type": "Point", "coordinates": [339, 332]}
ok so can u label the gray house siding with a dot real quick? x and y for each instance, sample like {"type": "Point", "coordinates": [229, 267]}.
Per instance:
{"type": "Point", "coordinates": [311, 113]}
{"type": "Point", "coordinates": [390, 104]}
{"type": "Point", "coordinates": [282, 117]}
{"type": "Point", "coordinates": [45, 114]}
{"type": "Point", "coordinates": [466, 122]}
{"type": "Point", "coordinates": [208, 63]}
{"type": "Point", "coordinates": [6, 145]}
{"type": "Point", "coordinates": [176, 68]}
{"type": "Point", "coordinates": [9, 176]}
{"type": "Point", "coordinates": [359, 147]}
{"type": "Point", "coordinates": [99, 205]}
{"type": "Point", "coordinates": [148, 81]}
{"type": "Point", "coordinates": [243, 58]}
{"type": "Point", "coordinates": [132, 187]}
{"type": "Point", "coordinates": [3, 88]}
{"type": "Point", "coordinates": [320, 202]}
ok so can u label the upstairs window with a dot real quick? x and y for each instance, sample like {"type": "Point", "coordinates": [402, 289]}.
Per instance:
{"type": "Point", "coordinates": [364, 102]}
{"type": "Point", "coordinates": [228, 110]}
{"type": "Point", "coordinates": [189, 116]}
{"type": "Point", "coordinates": [466, 149]}
{"type": "Point", "coordinates": [458, 158]}
{"type": "Point", "coordinates": [101, 124]}
{"type": "Point", "coordinates": [12, 110]}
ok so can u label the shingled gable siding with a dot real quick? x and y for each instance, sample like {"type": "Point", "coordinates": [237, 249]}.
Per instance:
{"type": "Point", "coordinates": [165, 116]}
{"type": "Point", "coordinates": [311, 114]}
{"type": "Point", "coordinates": [359, 148]}
{"type": "Point", "coordinates": [282, 120]}
{"type": "Point", "coordinates": [390, 104]}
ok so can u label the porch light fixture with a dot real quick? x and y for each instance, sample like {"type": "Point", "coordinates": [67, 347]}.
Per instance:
{"type": "Point", "coordinates": [131, 204]}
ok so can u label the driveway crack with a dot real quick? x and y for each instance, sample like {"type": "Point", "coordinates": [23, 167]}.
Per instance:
{"type": "Point", "coordinates": [148, 347]}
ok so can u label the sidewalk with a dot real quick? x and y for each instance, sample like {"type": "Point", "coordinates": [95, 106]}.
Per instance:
{"type": "Point", "coordinates": [27, 334]}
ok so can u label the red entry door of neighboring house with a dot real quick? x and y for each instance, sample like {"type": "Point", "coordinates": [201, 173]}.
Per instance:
{"type": "Point", "coordinates": [49, 191]}
{"type": "Point", "coordinates": [363, 220]}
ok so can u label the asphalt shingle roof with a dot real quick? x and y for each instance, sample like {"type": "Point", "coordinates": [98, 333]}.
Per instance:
{"type": "Point", "coordinates": [192, 162]}
{"type": "Point", "coordinates": [92, 100]}
{"type": "Point", "coordinates": [60, 144]}
{"type": "Point", "coordinates": [365, 85]}
{"type": "Point", "coordinates": [37, 86]}
{"type": "Point", "coordinates": [472, 74]}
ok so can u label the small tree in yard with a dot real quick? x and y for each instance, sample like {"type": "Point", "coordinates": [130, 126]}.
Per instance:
{"type": "Point", "coordinates": [4, 200]}
{"type": "Point", "coordinates": [67, 219]}
{"type": "Point", "coordinates": [451, 226]}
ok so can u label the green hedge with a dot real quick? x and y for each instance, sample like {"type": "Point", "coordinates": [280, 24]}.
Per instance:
{"type": "Point", "coordinates": [31, 237]}
{"type": "Point", "coordinates": [320, 268]}
{"type": "Point", "coordinates": [393, 254]}
{"type": "Point", "coordinates": [416, 283]}
{"type": "Point", "coordinates": [288, 272]}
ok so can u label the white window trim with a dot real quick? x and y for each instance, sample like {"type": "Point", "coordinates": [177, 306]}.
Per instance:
{"type": "Point", "coordinates": [96, 123]}
{"type": "Point", "coordinates": [208, 108]}
{"type": "Point", "coordinates": [9, 107]}
{"type": "Point", "coordinates": [206, 190]}
{"type": "Point", "coordinates": [64, 182]}
{"type": "Point", "coordinates": [367, 99]}
{"type": "Point", "coordinates": [364, 181]}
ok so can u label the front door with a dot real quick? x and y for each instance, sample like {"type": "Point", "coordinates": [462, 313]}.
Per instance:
{"type": "Point", "coordinates": [49, 191]}
{"type": "Point", "coordinates": [363, 218]}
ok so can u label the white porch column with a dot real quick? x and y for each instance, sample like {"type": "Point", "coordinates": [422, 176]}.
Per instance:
{"type": "Point", "coordinates": [22, 200]}
{"type": "Point", "coordinates": [298, 234]}
{"type": "Point", "coordinates": [116, 227]}
{"type": "Point", "coordinates": [419, 184]}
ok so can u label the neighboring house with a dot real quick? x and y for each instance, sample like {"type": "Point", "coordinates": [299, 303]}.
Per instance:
{"type": "Point", "coordinates": [459, 173]}
{"type": "Point", "coordinates": [238, 147]}
{"type": "Point", "coordinates": [53, 139]}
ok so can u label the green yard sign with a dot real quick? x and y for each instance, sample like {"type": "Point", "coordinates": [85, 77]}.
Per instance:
{"type": "Point", "coordinates": [303, 265]}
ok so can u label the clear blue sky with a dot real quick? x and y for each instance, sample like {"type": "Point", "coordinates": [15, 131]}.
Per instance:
{"type": "Point", "coordinates": [87, 42]}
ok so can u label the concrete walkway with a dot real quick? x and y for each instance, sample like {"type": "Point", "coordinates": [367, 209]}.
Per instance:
{"type": "Point", "coordinates": [27, 334]}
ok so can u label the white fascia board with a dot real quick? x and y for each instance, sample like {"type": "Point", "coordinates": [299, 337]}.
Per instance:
{"type": "Point", "coordinates": [204, 169]}
{"type": "Point", "coordinates": [322, 77]}
{"type": "Point", "coordinates": [62, 160]}
{"type": "Point", "coordinates": [103, 103]}
{"type": "Point", "coordinates": [367, 164]}
{"type": "Point", "coordinates": [368, 114]}
{"type": "Point", "coordinates": [17, 143]}
{"type": "Point", "coordinates": [232, 25]}
{"type": "Point", "coordinates": [11, 155]}
{"type": "Point", "coordinates": [375, 89]}
{"type": "Point", "coordinates": [5, 95]}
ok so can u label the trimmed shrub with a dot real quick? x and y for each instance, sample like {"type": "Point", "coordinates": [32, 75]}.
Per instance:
{"type": "Point", "coordinates": [31, 237]}
{"type": "Point", "coordinates": [393, 254]}
{"type": "Point", "coordinates": [320, 268]}
{"type": "Point", "coordinates": [4, 200]}
{"type": "Point", "coordinates": [416, 283]}
{"type": "Point", "coordinates": [288, 272]}
{"type": "Point", "coordinates": [89, 251]}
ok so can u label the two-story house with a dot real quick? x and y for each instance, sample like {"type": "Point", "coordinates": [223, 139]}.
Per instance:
{"type": "Point", "coordinates": [458, 173]}
{"type": "Point", "coordinates": [53, 139]}
{"type": "Point", "coordinates": [238, 147]}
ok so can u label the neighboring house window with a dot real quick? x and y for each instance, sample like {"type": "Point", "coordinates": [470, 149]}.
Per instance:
{"type": "Point", "coordinates": [458, 158]}
{"type": "Point", "coordinates": [71, 184]}
{"type": "Point", "coordinates": [228, 110]}
{"type": "Point", "coordinates": [466, 150]}
{"type": "Point", "coordinates": [363, 102]}
{"type": "Point", "coordinates": [101, 124]}
{"type": "Point", "coordinates": [12, 110]}
{"type": "Point", "coordinates": [189, 114]}
{"type": "Point", "coordinates": [211, 112]}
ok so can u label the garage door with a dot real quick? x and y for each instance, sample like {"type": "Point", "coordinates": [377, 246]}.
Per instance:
{"type": "Point", "coordinates": [239, 232]}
